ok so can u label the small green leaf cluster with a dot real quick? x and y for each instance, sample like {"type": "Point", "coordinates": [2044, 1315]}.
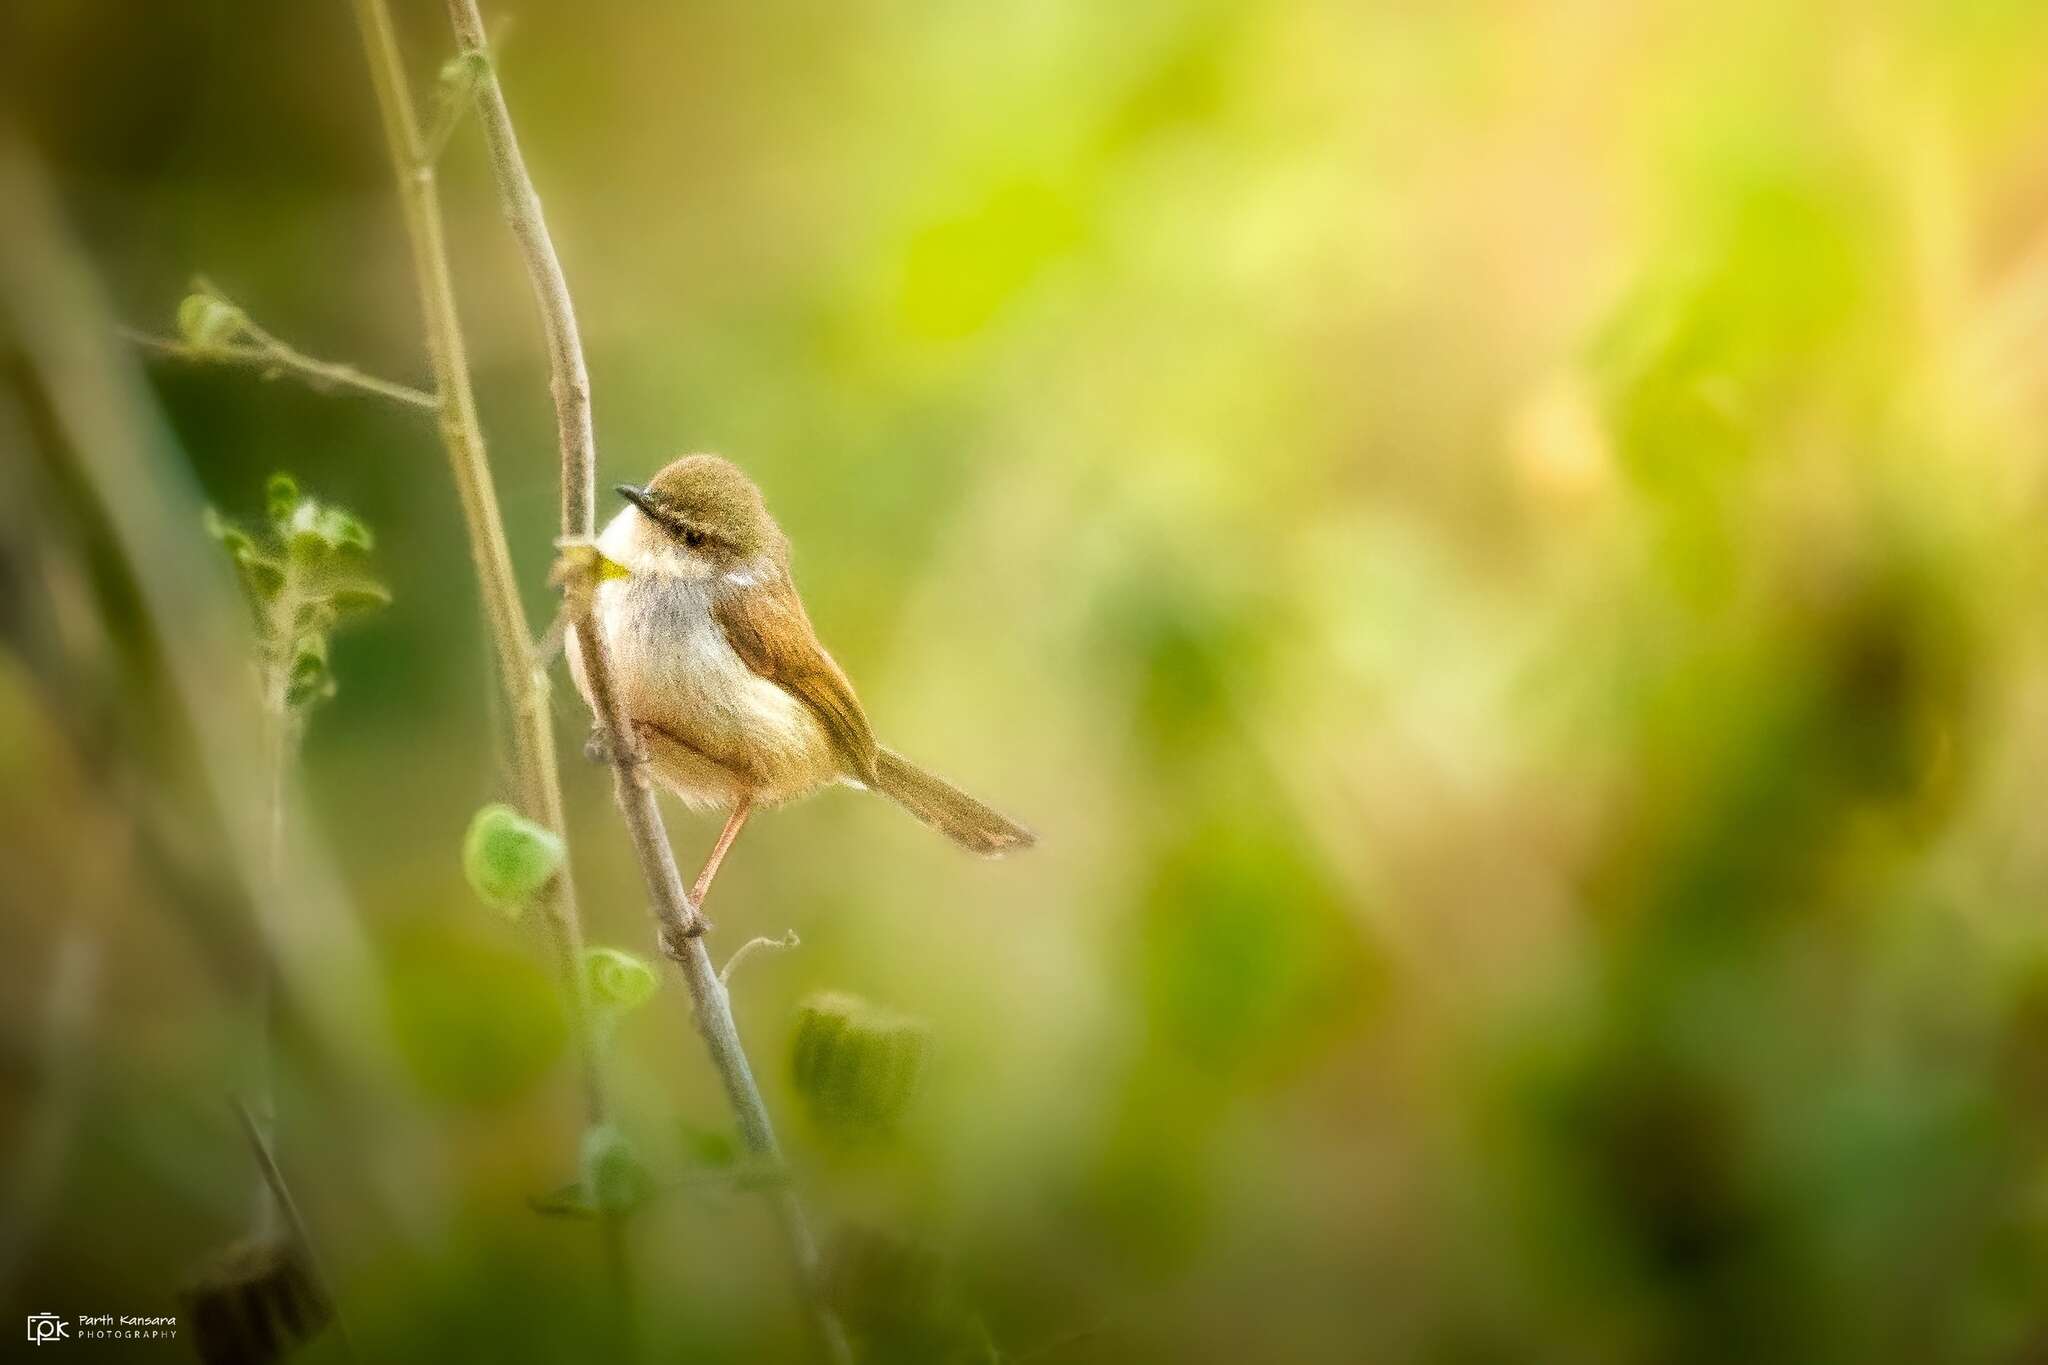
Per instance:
{"type": "Point", "coordinates": [302, 573]}
{"type": "Point", "coordinates": [857, 1065]}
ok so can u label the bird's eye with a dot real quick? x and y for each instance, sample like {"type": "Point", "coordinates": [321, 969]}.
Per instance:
{"type": "Point", "coordinates": [693, 537]}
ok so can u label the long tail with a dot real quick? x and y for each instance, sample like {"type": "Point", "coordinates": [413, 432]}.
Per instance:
{"type": "Point", "coordinates": [947, 809]}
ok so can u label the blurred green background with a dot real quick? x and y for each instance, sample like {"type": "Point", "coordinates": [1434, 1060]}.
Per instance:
{"type": "Point", "coordinates": [1498, 545]}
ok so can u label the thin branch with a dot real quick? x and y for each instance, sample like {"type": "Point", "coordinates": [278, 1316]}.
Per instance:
{"type": "Point", "coordinates": [274, 357]}
{"type": "Point", "coordinates": [568, 377]}
{"type": "Point", "coordinates": [681, 926]}
{"type": "Point", "coordinates": [281, 1195]}
{"type": "Point", "coordinates": [523, 682]}
{"type": "Point", "coordinates": [756, 944]}
{"type": "Point", "coordinates": [282, 735]}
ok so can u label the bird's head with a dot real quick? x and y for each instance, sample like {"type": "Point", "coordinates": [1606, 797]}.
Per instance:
{"type": "Point", "coordinates": [701, 515]}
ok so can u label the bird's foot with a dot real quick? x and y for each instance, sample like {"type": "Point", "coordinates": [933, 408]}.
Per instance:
{"type": "Point", "coordinates": [597, 749]}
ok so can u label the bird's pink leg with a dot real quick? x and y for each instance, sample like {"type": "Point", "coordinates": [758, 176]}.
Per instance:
{"type": "Point", "coordinates": [725, 838]}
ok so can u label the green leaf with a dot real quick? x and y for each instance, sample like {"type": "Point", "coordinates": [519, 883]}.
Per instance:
{"type": "Point", "coordinates": [358, 594]}
{"type": "Point", "coordinates": [310, 681]}
{"type": "Point", "coordinates": [264, 575]}
{"type": "Point", "coordinates": [857, 1065]}
{"type": "Point", "coordinates": [345, 530]}
{"type": "Point", "coordinates": [233, 537]}
{"type": "Point", "coordinates": [309, 654]}
{"type": "Point", "coordinates": [618, 980]}
{"type": "Point", "coordinates": [614, 1180]}
{"type": "Point", "coordinates": [508, 858]}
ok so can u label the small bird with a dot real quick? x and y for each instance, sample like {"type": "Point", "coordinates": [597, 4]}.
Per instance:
{"type": "Point", "coordinates": [734, 700]}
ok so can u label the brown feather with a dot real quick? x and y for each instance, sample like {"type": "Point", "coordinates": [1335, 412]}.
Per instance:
{"type": "Point", "coordinates": [767, 627]}
{"type": "Point", "coordinates": [952, 812]}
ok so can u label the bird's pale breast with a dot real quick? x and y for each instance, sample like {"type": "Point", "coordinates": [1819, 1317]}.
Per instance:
{"type": "Point", "coordinates": [678, 673]}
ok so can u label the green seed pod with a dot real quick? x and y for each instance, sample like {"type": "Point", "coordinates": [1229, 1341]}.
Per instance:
{"type": "Point", "coordinates": [508, 858]}
{"type": "Point", "coordinates": [208, 323]}
{"type": "Point", "coordinates": [613, 1178]}
{"type": "Point", "coordinates": [857, 1065]}
{"type": "Point", "coordinates": [618, 980]}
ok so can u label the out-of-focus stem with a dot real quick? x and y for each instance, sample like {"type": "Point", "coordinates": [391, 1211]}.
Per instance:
{"type": "Point", "coordinates": [271, 355]}
{"type": "Point", "coordinates": [281, 743]}
{"type": "Point", "coordinates": [525, 686]}
{"type": "Point", "coordinates": [523, 680]}
{"type": "Point", "coordinates": [287, 1211]}
{"type": "Point", "coordinates": [681, 927]}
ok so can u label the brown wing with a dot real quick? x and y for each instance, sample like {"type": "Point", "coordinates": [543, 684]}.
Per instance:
{"type": "Point", "coordinates": [766, 626]}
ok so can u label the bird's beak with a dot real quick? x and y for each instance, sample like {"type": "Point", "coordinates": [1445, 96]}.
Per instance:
{"type": "Point", "coordinates": [636, 495]}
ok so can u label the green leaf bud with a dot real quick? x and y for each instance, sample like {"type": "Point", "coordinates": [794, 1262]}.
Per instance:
{"type": "Point", "coordinates": [208, 322]}
{"type": "Point", "coordinates": [508, 858]}
{"type": "Point", "coordinates": [281, 498]}
{"type": "Point", "coordinates": [618, 980]}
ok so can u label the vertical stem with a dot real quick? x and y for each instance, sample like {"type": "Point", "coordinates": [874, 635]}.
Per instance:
{"type": "Point", "coordinates": [519, 673]}
{"type": "Point", "coordinates": [681, 927]}
{"type": "Point", "coordinates": [568, 377]}
{"type": "Point", "coordinates": [525, 688]}
{"type": "Point", "coordinates": [280, 743]}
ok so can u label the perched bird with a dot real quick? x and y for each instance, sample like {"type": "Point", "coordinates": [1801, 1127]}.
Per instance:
{"type": "Point", "coordinates": [732, 696]}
